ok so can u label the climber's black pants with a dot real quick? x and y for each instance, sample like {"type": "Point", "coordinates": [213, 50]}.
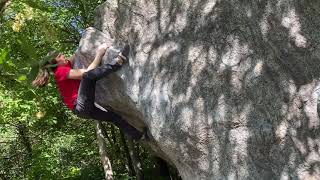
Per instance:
{"type": "Point", "coordinates": [85, 107]}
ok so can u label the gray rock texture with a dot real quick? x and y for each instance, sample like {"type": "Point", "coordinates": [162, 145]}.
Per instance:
{"type": "Point", "coordinates": [227, 88]}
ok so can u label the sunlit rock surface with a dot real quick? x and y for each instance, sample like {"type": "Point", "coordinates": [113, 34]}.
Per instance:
{"type": "Point", "coordinates": [228, 89]}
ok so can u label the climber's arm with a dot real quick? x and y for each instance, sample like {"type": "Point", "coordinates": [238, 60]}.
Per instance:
{"type": "Point", "coordinates": [72, 59]}
{"type": "Point", "coordinates": [97, 60]}
{"type": "Point", "coordinates": [78, 73]}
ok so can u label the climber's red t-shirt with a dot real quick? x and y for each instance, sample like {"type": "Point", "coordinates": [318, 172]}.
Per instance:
{"type": "Point", "coordinates": [68, 87]}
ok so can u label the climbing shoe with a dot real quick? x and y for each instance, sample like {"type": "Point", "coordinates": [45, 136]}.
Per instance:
{"type": "Point", "coordinates": [124, 54]}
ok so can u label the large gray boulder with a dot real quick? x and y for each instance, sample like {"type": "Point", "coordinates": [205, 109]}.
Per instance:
{"type": "Point", "coordinates": [227, 88]}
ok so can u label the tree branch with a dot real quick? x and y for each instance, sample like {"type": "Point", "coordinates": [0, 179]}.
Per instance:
{"type": "Point", "coordinates": [3, 5]}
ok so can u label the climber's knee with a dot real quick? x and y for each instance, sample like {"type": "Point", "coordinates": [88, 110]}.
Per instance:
{"type": "Point", "coordinates": [88, 76]}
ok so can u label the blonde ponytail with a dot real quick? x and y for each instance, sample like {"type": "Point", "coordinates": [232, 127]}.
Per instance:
{"type": "Point", "coordinates": [42, 78]}
{"type": "Point", "coordinates": [46, 65]}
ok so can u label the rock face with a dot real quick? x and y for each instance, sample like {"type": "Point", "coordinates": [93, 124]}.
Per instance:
{"type": "Point", "coordinates": [227, 88]}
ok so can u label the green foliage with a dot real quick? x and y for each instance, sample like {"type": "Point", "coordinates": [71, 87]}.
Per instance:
{"type": "Point", "coordinates": [62, 146]}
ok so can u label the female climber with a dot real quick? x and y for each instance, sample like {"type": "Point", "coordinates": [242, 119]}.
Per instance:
{"type": "Point", "coordinates": [77, 86]}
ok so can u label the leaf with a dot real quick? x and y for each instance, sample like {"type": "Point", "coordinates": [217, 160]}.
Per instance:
{"type": "Point", "coordinates": [3, 55]}
{"type": "Point", "coordinates": [37, 5]}
{"type": "Point", "coordinates": [33, 73]}
{"type": "Point", "coordinates": [74, 171]}
{"type": "Point", "coordinates": [27, 47]}
{"type": "Point", "coordinates": [22, 78]}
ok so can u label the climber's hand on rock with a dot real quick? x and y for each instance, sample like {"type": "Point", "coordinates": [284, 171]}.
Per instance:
{"type": "Point", "coordinates": [102, 49]}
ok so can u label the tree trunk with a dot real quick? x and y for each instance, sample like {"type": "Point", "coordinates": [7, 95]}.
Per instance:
{"type": "Point", "coordinates": [3, 177]}
{"type": "Point", "coordinates": [134, 154]}
{"type": "Point", "coordinates": [104, 131]}
{"type": "Point", "coordinates": [103, 151]}
{"type": "Point", "coordinates": [25, 140]}
{"type": "Point", "coordinates": [22, 132]}
{"type": "Point", "coordinates": [162, 169]}
{"type": "Point", "coordinates": [113, 130]}
{"type": "Point", "coordinates": [127, 154]}
{"type": "Point", "coordinates": [3, 5]}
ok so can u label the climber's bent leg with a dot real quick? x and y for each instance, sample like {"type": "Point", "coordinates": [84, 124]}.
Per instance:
{"type": "Point", "coordinates": [85, 107]}
{"type": "Point", "coordinates": [86, 96]}
{"type": "Point", "coordinates": [117, 120]}
{"type": "Point", "coordinates": [100, 72]}
{"type": "Point", "coordinates": [108, 116]}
